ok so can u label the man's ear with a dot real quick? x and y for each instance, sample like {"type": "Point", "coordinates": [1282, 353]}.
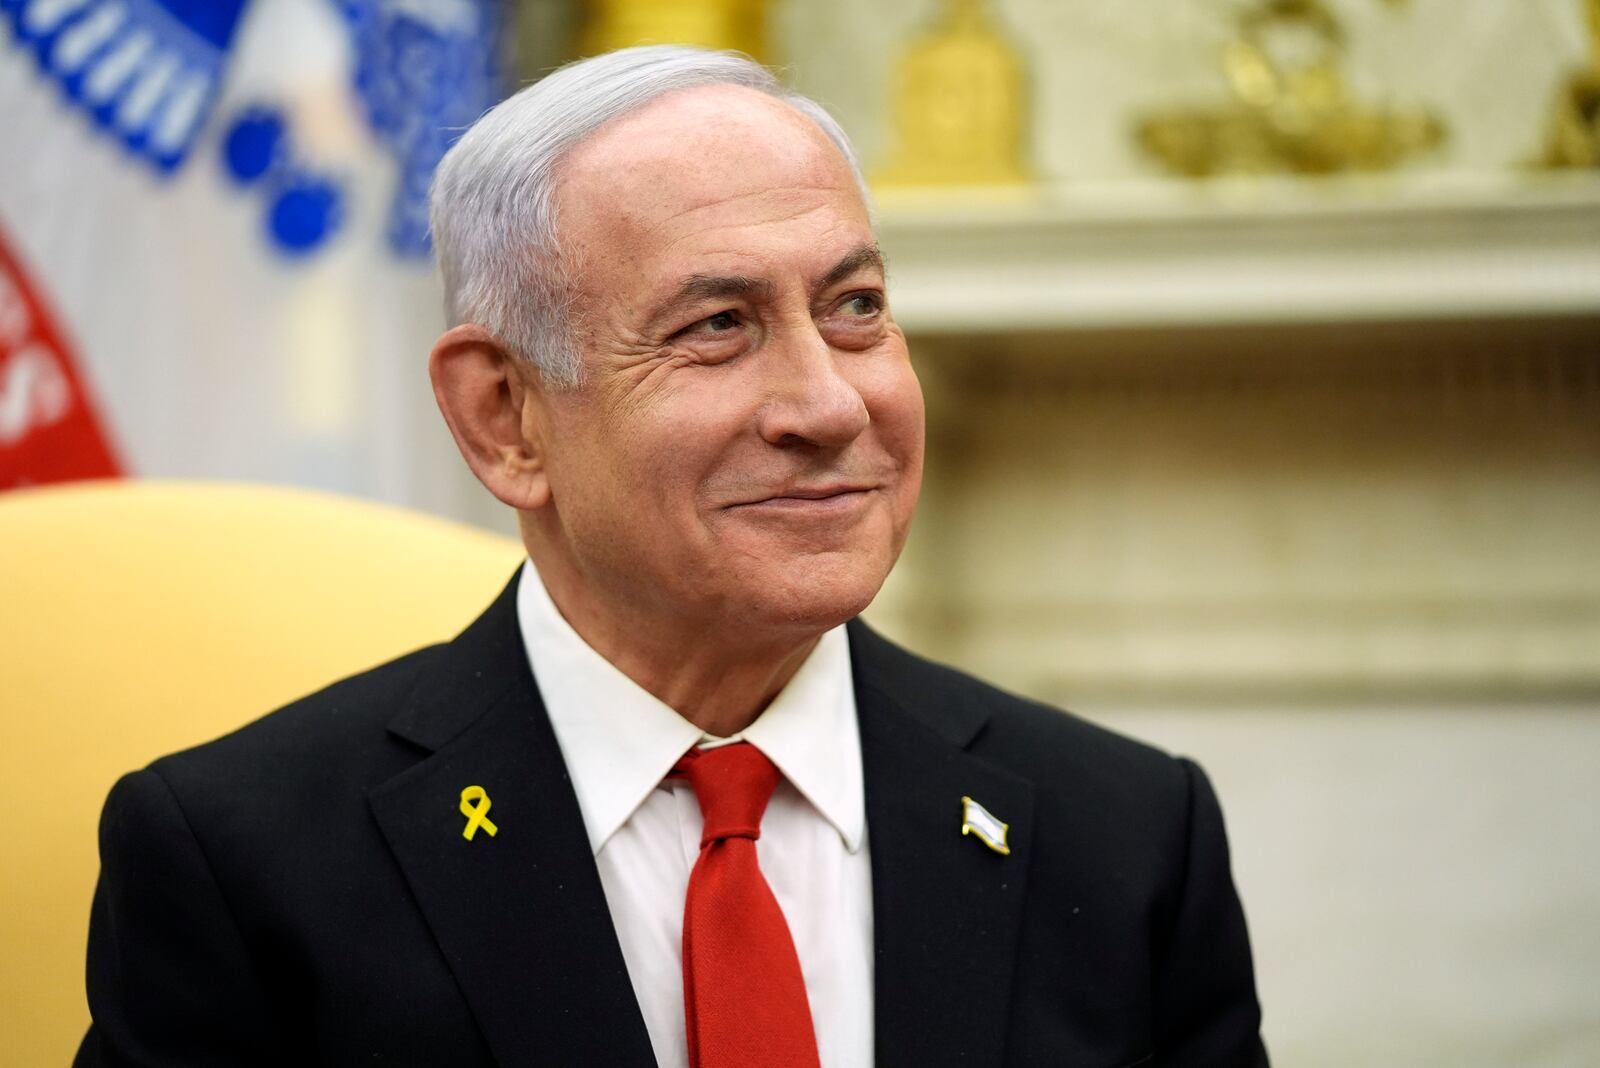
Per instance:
{"type": "Point", "coordinates": [492, 404]}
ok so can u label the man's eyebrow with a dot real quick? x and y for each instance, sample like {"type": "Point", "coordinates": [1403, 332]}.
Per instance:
{"type": "Point", "coordinates": [709, 286]}
{"type": "Point", "coordinates": [853, 261]}
{"type": "Point", "coordinates": [698, 287]}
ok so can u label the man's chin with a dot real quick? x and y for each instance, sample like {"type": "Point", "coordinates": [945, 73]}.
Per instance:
{"type": "Point", "coordinates": [811, 602]}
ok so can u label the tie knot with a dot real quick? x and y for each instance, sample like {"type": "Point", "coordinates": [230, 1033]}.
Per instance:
{"type": "Point", "coordinates": [733, 784]}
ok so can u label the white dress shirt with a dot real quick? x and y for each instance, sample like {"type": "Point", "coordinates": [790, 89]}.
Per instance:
{"type": "Point", "coordinates": [619, 742]}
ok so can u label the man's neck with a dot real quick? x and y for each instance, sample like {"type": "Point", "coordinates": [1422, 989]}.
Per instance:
{"type": "Point", "coordinates": [721, 698]}
{"type": "Point", "coordinates": [716, 680]}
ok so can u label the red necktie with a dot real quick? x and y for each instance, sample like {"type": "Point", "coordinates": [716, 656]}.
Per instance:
{"type": "Point", "coordinates": [743, 996]}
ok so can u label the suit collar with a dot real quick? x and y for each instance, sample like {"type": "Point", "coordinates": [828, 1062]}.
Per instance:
{"type": "Point", "coordinates": [946, 910]}
{"type": "Point", "coordinates": [938, 698]}
{"type": "Point", "coordinates": [467, 677]}
{"type": "Point", "coordinates": [619, 741]}
{"type": "Point", "coordinates": [519, 916]}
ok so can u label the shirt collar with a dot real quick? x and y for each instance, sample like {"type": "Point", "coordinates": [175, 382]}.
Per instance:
{"type": "Point", "coordinates": [619, 741]}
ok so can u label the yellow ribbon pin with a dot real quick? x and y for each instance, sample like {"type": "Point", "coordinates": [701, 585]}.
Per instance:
{"type": "Point", "coordinates": [475, 806]}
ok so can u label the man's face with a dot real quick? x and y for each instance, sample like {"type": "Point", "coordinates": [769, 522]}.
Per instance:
{"type": "Point", "coordinates": [746, 447]}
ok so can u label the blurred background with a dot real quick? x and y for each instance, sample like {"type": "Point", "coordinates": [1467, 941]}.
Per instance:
{"type": "Point", "coordinates": [1261, 341]}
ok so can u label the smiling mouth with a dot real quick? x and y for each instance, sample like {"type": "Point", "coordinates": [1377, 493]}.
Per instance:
{"type": "Point", "coordinates": [819, 498]}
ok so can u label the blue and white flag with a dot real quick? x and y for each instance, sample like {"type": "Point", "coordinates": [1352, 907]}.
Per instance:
{"type": "Point", "coordinates": [146, 71]}
{"type": "Point", "coordinates": [225, 202]}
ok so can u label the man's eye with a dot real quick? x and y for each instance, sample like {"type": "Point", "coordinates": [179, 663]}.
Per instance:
{"type": "Point", "coordinates": [719, 323]}
{"type": "Point", "coordinates": [863, 304]}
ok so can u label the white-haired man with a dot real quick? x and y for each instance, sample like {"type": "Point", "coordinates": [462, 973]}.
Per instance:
{"type": "Point", "coordinates": [667, 801]}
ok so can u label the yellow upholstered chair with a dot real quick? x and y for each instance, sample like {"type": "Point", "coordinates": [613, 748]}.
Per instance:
{"type": "Point", "coordinates": [139, 618]}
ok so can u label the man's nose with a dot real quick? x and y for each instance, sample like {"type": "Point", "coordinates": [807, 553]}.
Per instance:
{"type": "Point", "coordinates": [812, 401]}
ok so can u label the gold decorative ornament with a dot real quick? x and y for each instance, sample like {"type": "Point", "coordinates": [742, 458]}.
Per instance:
{"type": "Point", "coordinates": [740, 25]}
{"type": "Point", "coordinates": [959, 111]}
{"type": "Point", "coordinates": [1292, 110]}
{"type": "Point", "coordinates": [1574, 136]}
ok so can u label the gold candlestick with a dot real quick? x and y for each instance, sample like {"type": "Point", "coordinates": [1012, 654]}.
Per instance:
{"type": "Point", "coordinates": [1292, 109]}
{"type": "Point", "coordinates": [959, 111]}
{"type": "Point", "coordinates": [737, 24]}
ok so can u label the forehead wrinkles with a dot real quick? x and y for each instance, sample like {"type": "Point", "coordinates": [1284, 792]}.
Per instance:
{"type": "Point", "coordinates": [650, 200]}
{"type": "Point", "coordinates": [611, 221]}
{"type": "Point", "coordinates": [765, 208]}
{"type": "Point", "coordinates": [647, 236]}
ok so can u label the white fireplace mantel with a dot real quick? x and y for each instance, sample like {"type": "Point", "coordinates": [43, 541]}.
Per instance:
{"type": "Point", "coordinates": [1150, 254]}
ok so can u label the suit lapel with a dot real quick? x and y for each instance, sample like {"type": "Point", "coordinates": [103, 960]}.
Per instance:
{"type": "Point", "coordinates": [520, 916]}
{"type": "Point", "coordinates": [946, 909]}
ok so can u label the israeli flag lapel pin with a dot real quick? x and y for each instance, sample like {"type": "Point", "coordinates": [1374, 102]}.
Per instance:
{"type": "Point", "coordinates": [982, 824]}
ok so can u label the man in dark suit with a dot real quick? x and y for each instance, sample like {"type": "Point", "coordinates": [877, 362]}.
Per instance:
{"type": "Point", "coordinates": [673, 356]}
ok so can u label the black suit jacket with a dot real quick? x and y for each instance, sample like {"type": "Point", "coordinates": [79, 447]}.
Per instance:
{"type": "Point", "coordinates": [299, 892]}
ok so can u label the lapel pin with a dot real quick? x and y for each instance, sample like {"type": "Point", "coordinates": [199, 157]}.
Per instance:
{"type": "Point", "coordinates": [475, 806]}
{"type": "Point", "coordinates": [980, 822]}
